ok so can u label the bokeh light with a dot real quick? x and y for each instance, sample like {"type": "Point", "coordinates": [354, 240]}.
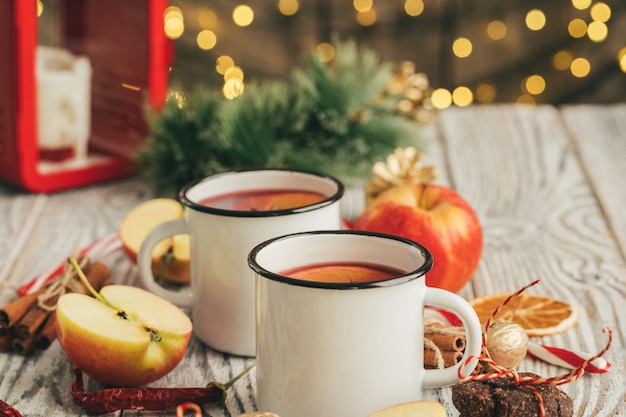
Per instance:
{"type": "Point", "coordinates": [288, 7]}
{"type": "Point", "coordinates": [462, 47]}
{"type": "Point", "coordinates": [233, 72]}
{"type": "Point", "coordinates": [207, 19]}
{"type": "Point", "coordinates": [621, 57]}
{"type": "Point", "coordinates": [441, 98]}
{"type": "Point", "coordinates": [525, 99]}
{"type": "Point", "coordinates": [414, 7]}
{"type": "Point", "coordinates": [233, 88]}
{"type": "Point", "coordinates": [39, 8]}
{"type": "Point", "coordinates": [581, 4]}
{"type": "Point", "coordinates": [243, 15]}
{"type": "Point", "coordinates": [362, 6]}
{"type": "Point", "coordinates": [206, 39]}
{"type": "Point", "coordinates": [496, 30]}
{"type": "Point", "coordinates": [367, 18]}
{"type": "Point", "coordinates": [580, 67]}
{"type": "Point", "coordinates": [462, 96]}
{"type": "Point", "coordinates": [173, 22]}
{"type": "Point", "coordinates": [486, 92]}
{"type": "Point", "coordinates": [597, 31]}
{"type": "Point", "coordinates": [534, 84]}
{"type": "Point", "coordinates": [577, 28]}
{"type": "Point", "coordinates": [600, 12]}
{"type": "Point", "coordinates": [326, 52]}
{"type": "Point", "coordinates": [562, 60]}
{"type": "Point", "coordinates": [223, 63]}
{"type": "Point", "coordinates": [535, 19]}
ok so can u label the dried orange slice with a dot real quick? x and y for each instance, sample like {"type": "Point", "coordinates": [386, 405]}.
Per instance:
{"type": "Point", "coordinates": [539, 315]}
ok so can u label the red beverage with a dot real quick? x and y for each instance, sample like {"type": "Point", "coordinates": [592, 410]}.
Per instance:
{"type": "Point", "coordinates": [263, 200]}
{"type": "Point", "coordinates": [343, 272]}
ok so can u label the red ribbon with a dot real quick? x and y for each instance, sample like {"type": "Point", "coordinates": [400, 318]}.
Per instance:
{"type": "Point", "coordinates": [523, 380]}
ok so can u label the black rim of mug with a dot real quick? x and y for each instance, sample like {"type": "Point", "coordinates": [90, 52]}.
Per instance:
{"type": "Point", "coordinates": [398, 280]}
{"type": "Point", "coordinates": [186, 201]}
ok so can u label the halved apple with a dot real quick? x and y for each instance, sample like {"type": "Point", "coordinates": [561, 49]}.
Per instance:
{"type": "Point", "coordinates": [132, 339]}
{"type": "Point", "coordinates": [170, 258]}
{"type": "Point", "coordinates": [422, 408]}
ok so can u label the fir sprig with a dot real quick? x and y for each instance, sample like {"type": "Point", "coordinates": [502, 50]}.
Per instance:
{"type": "Point", "coordinates": [331, 117]}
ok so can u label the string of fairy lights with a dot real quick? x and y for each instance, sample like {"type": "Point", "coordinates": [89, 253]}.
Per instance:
{"type": "Point", "coordinates": [595, 28]}
{"type": "Point", "coordinates": [592, 24]}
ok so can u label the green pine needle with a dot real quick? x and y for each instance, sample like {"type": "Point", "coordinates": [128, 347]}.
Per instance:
{"type": "Point", "coordinates": [327, 117]}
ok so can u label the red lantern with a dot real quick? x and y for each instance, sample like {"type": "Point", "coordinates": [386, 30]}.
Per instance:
{"type": "Point", "coordinates": [129, 58]}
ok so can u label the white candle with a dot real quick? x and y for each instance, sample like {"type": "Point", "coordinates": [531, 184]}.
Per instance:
{"type": "Point", "coordinates": [63, 103]}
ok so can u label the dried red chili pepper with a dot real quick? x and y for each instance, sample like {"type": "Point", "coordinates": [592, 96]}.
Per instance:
{"type": "Point", "coordinates": [109, 400]}
{"type": "Point", "coordinates": [7, 411]}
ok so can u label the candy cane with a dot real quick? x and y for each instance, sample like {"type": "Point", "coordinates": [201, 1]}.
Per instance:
{"type": "Point", "coordinates": [566, 358]}
{"type": "Point", "coordinates": [94, 250]}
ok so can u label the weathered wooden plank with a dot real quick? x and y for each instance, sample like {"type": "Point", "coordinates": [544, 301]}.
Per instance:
{"type": "Point", "coordinates": [43, 230]}
{"type": "Point", "coordinates": [541, 219]}
{"type": "Point", "coordinates": [599, 134]}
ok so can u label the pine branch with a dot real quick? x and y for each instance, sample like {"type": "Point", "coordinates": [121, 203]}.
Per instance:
{"type": "Point", "coordinates": [328, 117]}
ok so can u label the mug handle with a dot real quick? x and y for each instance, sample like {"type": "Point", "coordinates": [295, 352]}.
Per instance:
{"type": "Point", "coordinates": [144, 261]}
{"type": "Point", "coordinates": [436, 297]}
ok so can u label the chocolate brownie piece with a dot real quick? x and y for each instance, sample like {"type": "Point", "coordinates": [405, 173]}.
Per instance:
{"type": "Point", "coordinates": [503, 398]}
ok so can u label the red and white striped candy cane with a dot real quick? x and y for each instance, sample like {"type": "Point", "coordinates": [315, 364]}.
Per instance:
{"type": "Point", "coordinates": [94, 250]}
{"type": "Point", "coordinates": [566, 358]}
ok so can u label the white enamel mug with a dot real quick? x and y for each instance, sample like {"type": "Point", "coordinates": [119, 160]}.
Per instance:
{"type": "Point", "coordinates": [347, 349]}
{"type": "Point", "coordinates": [221, 292]}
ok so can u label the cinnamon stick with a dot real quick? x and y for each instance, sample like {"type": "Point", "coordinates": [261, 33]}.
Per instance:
{"type": "Point", "coordinates": [31, 320]}
{"type": "Point", "coordinates": [30, 323]}
{"type": "Point", "coordinates": [450, 358]}
{"type": "Point", "coordinates": [15, 310]}
{"type": "Point", "coordinates": [5, 339]}
{"type": "Point", "coordinates": [480, 368]}
{"type": "Point", "coordinates": [447, 341]}
{"type": "Point", "coordinates": [23, 346]}
{"type": "Point", "coordinates": [47, 333]}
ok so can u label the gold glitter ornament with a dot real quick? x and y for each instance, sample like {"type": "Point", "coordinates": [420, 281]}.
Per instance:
{"type": "Point", "coordinates": [507, 343]}
{"type": "Point", "coordinates": [402, 167]}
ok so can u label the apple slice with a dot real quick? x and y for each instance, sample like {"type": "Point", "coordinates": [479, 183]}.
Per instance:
{"type": "Point", "coordinates": [126, 337]}
{"type": "Point", "coordinates": [279, 200]}
{"type": "Point", "coordinates": [170, 258]}
{"type": "Point", "coordinates": [413, 409]}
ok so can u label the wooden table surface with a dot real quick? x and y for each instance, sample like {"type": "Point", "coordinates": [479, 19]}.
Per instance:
{"type": "Point", "coordinates": [549, 185]}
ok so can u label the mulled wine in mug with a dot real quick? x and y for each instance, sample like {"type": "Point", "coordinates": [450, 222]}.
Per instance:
{"type": "Point", "coordinates": [340, 327]}
{"type": "Point", "coordinates": [227, 215]}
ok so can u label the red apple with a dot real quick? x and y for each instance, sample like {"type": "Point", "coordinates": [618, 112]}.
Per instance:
{"type": "Point", "coordinates": [130, 337]}
{"type": "Point", "coordinates": [436, 217]}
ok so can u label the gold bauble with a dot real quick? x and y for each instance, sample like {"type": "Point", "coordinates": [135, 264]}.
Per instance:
{"type": "Point", "coordinates": [507, 343]}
